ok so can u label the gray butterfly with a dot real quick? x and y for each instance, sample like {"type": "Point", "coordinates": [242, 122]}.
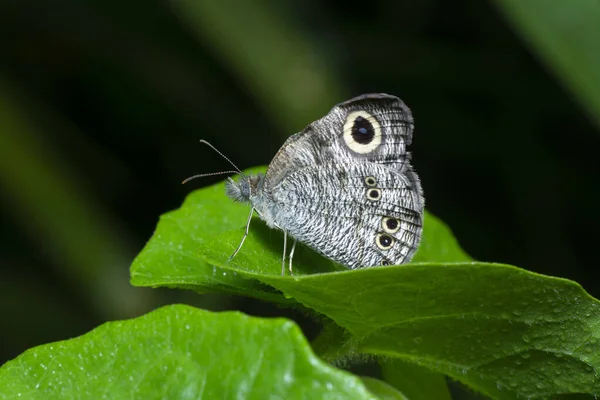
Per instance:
{"type": "Point", "coordinates": [344, 186]}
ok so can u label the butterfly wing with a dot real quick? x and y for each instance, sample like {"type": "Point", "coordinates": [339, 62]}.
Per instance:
{"type": "Point", "coordinates": [345, 186]}
{"type": "Point", "coordinates": [358, 214]}
{"type": "Point", "coordinates": [372, 127]}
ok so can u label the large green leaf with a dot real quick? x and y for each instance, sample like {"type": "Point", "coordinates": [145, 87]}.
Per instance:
{"type": "Point", "coordinates": [179, 352]}
{"type": "Point", "coordinates": [499, 329]}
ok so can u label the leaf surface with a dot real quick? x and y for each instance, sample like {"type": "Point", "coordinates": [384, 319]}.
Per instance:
{"type": "Point", "coordinates": [179, 352]}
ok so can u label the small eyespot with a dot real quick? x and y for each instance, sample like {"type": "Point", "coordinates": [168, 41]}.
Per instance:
{"type": "Point", "coordinates": [374, 194]}
{"type": "Point", "coordinates": [362, 132]}
{"type": "Point", "coordinates": [390, 225]}
{"type": "Point", "coordinates": [370, 181]}
{"type": "Point", "coordinates": [384, 241]}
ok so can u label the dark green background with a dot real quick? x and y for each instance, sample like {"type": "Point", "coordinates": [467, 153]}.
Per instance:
{"type": "Point", "coordinates": [102, 105]}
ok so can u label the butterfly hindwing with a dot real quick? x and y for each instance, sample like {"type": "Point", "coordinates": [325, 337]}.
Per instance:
{"type": "Point", "coordinates": [364, 215]}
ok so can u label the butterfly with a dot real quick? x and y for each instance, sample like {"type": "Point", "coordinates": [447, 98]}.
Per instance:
{"type": "Point", "coordinates": [343, 186]}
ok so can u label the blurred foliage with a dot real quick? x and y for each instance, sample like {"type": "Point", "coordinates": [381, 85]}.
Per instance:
{"type": "Point", "coordinates": [565, 34]}
{"type": "Point", "coordinates": [103, 103]}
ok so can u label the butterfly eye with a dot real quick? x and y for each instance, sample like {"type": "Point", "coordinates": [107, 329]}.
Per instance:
{"type": "Point", "coordinates": [370, 181]}
{"type": "Point", "coordinates": [362, 132]}
{"type": "Point", "coordinates": [384, 241]}
{"type": "Point", "coordinates": [374, 194]}
{"type": "Point", "coordinates": [390, 225]}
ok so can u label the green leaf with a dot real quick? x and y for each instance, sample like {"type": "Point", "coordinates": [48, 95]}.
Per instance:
{"type": "Point", "coordinates": [500, 330]}
{"type": "Point", "coordinates": [383, 390]}
{"type": "Point", "coordinates": [179, 352]}
{"type": "Point", "coordinates": [415, 382]}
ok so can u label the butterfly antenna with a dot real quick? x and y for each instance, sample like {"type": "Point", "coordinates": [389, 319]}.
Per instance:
{"type": "Point", "coordinates": [222, 155]}
{"type": "Point", "coordinates": [237, 170]}
{"type": "Point", "coordinates": [210, 174]}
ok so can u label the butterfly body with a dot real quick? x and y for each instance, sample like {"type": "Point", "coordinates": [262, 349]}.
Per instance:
{"type": "Point", "coordinates": [344, 185]}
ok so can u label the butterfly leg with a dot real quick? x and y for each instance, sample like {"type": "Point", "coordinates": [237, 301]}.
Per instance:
{"type": "Point", "coordinates": [245, 235]}
{"type": "Point", "coordinates": [292, 256]}
{"type": "Point", "coordinates": [284, 251]}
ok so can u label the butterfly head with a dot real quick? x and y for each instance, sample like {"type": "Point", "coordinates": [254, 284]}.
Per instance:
{"type": "Point", "coordinates": [243, 190]}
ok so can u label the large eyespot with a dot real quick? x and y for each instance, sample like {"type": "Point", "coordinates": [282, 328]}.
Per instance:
{"type": "Point", "coordinates": [370, 181]}
{"type": "Point", "coordinates": [390, 225]}
{"type": "Point", "coordinates": [362, 132]}
{"type": "Point", "coordinates": [374, 194]}
{"type": "Point", "coordinates": [384, 241]}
